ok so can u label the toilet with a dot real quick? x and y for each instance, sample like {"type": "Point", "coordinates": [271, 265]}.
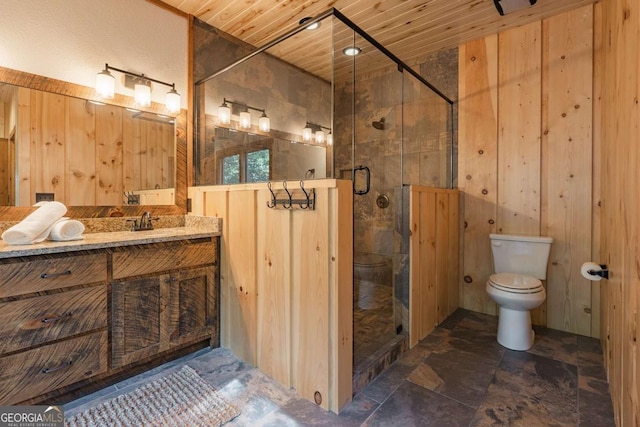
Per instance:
{"type": "Point", "coordinates": [519, 263]}
{"type": "Point", "coordinates": [373, 280]}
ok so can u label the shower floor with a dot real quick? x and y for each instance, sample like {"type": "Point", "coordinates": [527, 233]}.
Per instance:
{"type": "Point", "coordinates": [373, 328]}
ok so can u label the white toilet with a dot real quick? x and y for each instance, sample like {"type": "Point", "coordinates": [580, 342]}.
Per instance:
{"type": "Point", "coordinates": [520, 262]}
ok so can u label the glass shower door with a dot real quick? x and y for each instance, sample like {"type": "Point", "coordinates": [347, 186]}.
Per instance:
{"type": "Point", "coordinates": [377, 184]}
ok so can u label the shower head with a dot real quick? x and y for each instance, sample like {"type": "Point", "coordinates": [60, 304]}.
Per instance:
{"type": "Point", "coordinates": [379, 124]}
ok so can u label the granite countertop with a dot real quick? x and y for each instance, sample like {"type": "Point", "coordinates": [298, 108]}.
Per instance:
{"type": "Point", "coordinates": [107, 240]}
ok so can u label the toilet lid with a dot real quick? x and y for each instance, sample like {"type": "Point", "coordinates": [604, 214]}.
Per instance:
{"type": "Point", "coordinates": [515, 282]}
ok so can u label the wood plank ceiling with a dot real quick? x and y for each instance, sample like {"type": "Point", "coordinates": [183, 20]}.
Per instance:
{"type": "Point", "coordinates": [410, 29]}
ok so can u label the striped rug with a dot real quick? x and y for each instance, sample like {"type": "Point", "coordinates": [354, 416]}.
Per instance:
{"type": "Point", "coordinates": [180, 399]}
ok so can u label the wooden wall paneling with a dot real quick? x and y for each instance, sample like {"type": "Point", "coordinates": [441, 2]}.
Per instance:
{"type": "Point", "coordinates": [130, 152]}
{"type": "Point", "coordinates": [80, 131]}
{"type": "Point", "coordinates": [442, 255]}
{"type": "Point", "coordinates": [310, 299]}
{"type": "Point", "coordinates": [414, 270]}
{"type": "Point", "coordinates": [433, 250]}
{"type": "Point", "coordinates": [48, 126]}
{"type": "Point", "coordinates": [341, 285]}
{"type": "Point", "coordinates": [4, 170]}
{"type": "Point", "coordinates": [453, 279]}
{"type": "Point", "coordinates": [477, 166]}
{"type": "Point", "coordinates": [630, 212]}
{"type": "Point", "coordinates": [109, 155]}
{"type": "Point", "coordinates": [215, 204]}
{"type": "Point", "coordinates": [427, 227]}
{"type": "Point", "coordinates": [23, 147]}
{"type": "Point", "coordinates": [169, 156]}
{"type": "Point", "coordinates": [519, 113]}
{"type": "Point", "coordinates": [619, 228]}
{"type": "Point", "coordinates": [242, 296]}
{"type": "Point", "coordinates": [519, 144]}
{"type": "Point", "coordinates": [567, 165]}
{"type": "Point", "coordinates": [596, 308]}
{"type": "Point", "coordinates": [274, 289]}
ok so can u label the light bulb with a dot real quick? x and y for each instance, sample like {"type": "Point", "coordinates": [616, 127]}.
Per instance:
{"type": "Point", "coordinates": [172, 101]}
{"type": "Point", "coordinates": [142, 93]}
{"type": "Point", "coordinates": [245, 120]}
{"type": "Point", "coordinates": [351, 51]}
{"type": "Point", "coordinates": [306, 134]}
{"type": "Point", "coordinates": [224, 114]}
{"type": "Point", "coordinates": [105, 84]}
{"type": "Point", "coordinates": [319, 137]}
{"type": "Point", "coordinates": [264, 123]}
{"type": "Point", "coordinates": [330, 139]}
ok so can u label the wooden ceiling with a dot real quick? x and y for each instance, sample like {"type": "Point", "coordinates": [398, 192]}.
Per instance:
{"type": "Point", "coordinates": [410, 29]}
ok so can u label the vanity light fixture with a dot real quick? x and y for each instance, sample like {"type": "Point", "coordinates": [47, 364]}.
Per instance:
{"type": "Point", "coordinates": [105, 87]}
{"type": "Point", "coordinates": [351, 51]}
{"type": "Point", "coordinates": [242, 110]}
{"type": "Point", "coordinates": [313, 130]}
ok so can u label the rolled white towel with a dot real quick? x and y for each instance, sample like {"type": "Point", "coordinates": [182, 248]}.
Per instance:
{"type": "Point", "coordinates": [66, 229]}
{"type": "Point", "coordinates": [35, 227]}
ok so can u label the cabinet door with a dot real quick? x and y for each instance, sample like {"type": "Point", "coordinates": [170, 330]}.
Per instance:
{"type": "Point", "coordinates": [193, 305]}
{"type": "Point", "coordinates": [140, 318]}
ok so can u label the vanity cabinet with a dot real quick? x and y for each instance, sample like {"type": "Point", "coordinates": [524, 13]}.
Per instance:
{"type": "Point", "coordinates": [157, 313]}
{"type": "Point", "coordinates": [53, 323]}
{"type": "Point", "coordinates": [68, 320]}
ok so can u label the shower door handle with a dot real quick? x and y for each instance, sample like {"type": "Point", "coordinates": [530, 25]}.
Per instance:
{"type": "Point", "coordinates": [367, 175]}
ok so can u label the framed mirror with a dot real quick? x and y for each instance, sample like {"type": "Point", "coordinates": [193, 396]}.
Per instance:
{"type": "Point", "coordinates": [59, 142]}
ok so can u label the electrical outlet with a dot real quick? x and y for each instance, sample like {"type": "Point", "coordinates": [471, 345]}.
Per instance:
{"type": "Point", "coordinates": [44, 197]}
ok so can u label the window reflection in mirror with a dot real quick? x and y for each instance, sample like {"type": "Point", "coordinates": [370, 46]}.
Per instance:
{"type": "Point", "coordinates": [241, 157]}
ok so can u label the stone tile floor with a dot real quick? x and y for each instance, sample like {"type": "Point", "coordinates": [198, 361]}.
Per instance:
{"type": "Point", "coordinates": [457, 376]}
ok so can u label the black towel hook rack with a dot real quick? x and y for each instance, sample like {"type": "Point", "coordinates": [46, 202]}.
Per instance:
{"type": "Point", "coordinates": [308, 201]}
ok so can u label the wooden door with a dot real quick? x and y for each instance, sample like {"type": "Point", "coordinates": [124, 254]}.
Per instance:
{"type": "Point", "coordinates": [140, 317]}
{"type": "Point", "coordinates": [193, 306]}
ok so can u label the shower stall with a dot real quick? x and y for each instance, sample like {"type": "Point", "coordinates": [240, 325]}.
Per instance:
{"type": "Point", "coordinates": [339, 105]}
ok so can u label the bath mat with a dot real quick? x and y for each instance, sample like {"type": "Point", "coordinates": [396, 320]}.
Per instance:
{"type": "Point", "coordinates": [180, 399]}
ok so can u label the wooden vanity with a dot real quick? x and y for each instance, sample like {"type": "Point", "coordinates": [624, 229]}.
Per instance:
{"type": "Point", "coordinates": [75, 315]}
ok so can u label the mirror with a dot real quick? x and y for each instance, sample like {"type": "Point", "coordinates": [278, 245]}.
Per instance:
{"type": "Point", "coordinates": [118, 207]}
{"type": "Point", "coordinates": [82, 153]}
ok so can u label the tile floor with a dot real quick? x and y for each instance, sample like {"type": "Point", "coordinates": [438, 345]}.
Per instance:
{"type": "Point", "coordinates": [457, 376]}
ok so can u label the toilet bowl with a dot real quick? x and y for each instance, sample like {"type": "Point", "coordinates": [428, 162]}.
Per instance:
{"type": "Point", "coordinates": [520, 262]}
{"type": "Point", "coordinates": [515, 294]}
{"type": "Point", "coordinates": [373, 280]}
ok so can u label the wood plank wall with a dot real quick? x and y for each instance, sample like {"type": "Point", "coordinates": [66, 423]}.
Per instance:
{"type": "Point", "coordinates": [433, 246]}
{"type": "Point", "coordinates": [618, 83]}
{"type": "Point", "coordinates": [88, 155]}
{"type": "Point", "coordinates": [526, 159]}
{"type": "Point", "coordinates": [287, 284]}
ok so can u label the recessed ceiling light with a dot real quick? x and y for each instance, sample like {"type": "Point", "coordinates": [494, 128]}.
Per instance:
{"type": "Point", "coordinates": [351, 51]}
{"type": "Point", "coordinates": [306, 19]}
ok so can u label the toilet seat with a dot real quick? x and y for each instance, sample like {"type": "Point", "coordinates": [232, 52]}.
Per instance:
{"type": "Point", "coordinates": [515, 283]}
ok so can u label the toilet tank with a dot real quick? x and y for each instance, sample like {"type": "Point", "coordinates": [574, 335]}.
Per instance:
{"type": "Point", "coordinates": [520, 254]}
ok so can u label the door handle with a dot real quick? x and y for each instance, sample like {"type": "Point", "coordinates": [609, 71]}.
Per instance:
{"type": "Point", "coordinates": [367, 174]}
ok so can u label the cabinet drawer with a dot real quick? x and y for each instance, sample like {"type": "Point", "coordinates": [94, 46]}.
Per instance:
{"type": "Point", "coordinates": [34, 321]}
{"type": "Point", "coordinates": [137, 262]}
{"type": "Point", "coordinates": [44, 274]}
{"type": "Point", "coordinates": [38, 371]}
